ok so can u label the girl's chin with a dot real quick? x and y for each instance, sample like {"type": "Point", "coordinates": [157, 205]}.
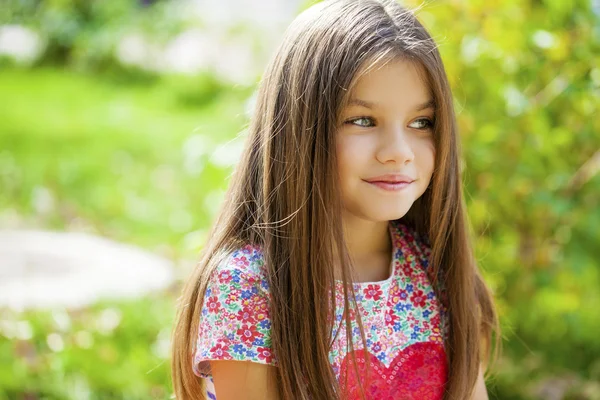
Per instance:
{"type": "Point", "coordinates": [377, 210]}
{"type": "Point", "coordinates": [387, 215]}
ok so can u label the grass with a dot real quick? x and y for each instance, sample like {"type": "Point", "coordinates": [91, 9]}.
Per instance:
{"type": "Point", "coordinates": [128, 159]}
{"type": "Point", "coordinates": [112, 350]}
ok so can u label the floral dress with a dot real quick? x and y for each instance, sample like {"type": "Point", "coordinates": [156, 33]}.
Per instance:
{"type": "Point", "coordinates": [404, 323]}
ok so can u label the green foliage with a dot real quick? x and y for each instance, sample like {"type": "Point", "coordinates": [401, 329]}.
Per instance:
{"type": "Point", "coordinates": [109, 351]}
{"type": "Point", "coordinates": [83, 34]}
{"type": "Point", "coordinates": [525, 82]}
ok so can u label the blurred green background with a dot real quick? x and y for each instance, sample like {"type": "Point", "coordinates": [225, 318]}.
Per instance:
{"type": "Point", "coordinates": [123, 119]}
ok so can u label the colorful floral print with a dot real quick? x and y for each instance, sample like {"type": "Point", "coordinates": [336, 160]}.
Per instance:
{"type": "Point", "coordinates": [234, 321]}
{"type": "Point", "coordinates": [404, 323]}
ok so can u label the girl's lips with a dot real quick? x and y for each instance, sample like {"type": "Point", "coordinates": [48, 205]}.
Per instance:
{"type": "Point", "coordinates": [390, 186]}
{"type": "Point", "coordinates": [391, 178]}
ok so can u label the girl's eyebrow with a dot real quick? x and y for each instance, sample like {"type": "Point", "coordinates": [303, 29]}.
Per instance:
{"type": "Point", "coordinates": [367, 104]}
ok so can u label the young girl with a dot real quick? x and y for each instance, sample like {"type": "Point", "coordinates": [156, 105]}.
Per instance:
{"type": "Point", "coordinates": [340, 266]}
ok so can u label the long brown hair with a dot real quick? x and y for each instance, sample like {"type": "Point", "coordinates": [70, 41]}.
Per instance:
{"type": "Point", "coordinates": [284, 197]}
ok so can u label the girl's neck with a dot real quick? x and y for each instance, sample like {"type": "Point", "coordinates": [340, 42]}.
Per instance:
{"type": "Point", "coordinates": [369, 246]}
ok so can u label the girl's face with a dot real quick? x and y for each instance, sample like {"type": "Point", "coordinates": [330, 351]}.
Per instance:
{"type": "Point", "coordinates": [386, 137]}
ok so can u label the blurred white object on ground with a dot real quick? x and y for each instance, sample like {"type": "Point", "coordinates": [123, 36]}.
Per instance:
{"type": "Point", "coordinates": [59, 269]}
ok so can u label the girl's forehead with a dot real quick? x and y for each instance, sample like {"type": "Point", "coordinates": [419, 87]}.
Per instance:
{"type": "Point", "coordinates": [387, 66]}
{"type": "Point", "coordinates": [386, 81]}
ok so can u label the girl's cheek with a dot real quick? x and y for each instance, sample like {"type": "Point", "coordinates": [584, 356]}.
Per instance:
{"type": "Point", "coordinates": [360, 144]}
{"type": "Point", "coordinates": [425, 146]}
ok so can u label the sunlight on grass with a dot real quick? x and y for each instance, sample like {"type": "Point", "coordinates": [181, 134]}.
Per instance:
{"type": "Point", "coordinates": [107, 156]}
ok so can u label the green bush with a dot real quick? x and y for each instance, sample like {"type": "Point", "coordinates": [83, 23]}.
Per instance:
{"type": "Point", "coordinates": [83, 34]}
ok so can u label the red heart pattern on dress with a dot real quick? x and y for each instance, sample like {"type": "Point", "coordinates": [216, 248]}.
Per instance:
{"type": "Point", "coordinates": [419, 372]}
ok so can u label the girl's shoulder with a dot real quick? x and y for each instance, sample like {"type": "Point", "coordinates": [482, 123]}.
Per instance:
{"type": "Point", "coordinates": [247, 258]}
{"type": "Point", "coordinates": [245, 263]}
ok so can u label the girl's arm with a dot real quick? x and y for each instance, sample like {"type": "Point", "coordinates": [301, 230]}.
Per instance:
{"type": "Point", "coordinates": [480, 392]}
{"type": "Point", "coordinates": [243, 380]}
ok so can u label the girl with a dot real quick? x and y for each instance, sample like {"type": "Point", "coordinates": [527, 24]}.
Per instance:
{"type": "Point", "coordinates": [340, 266]}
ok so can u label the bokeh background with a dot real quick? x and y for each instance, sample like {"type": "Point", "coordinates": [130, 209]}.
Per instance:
{"type": "Point", "coordinates": [121, 120]}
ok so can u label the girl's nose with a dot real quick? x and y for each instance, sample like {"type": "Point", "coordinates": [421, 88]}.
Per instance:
{"type": "Point", "coordinates": [395, 146]}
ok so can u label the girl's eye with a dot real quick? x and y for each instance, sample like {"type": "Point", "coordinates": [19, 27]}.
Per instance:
{"type": "Point", "coordinates": [365, 122]}
{"type": "Point", "coordinates": [425, 123]}
{"type": "Point", "coordinates": [368, 122]}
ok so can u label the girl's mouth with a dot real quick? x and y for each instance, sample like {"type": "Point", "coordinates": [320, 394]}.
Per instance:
{"type": "Point", "coordinates": [390, 186]}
